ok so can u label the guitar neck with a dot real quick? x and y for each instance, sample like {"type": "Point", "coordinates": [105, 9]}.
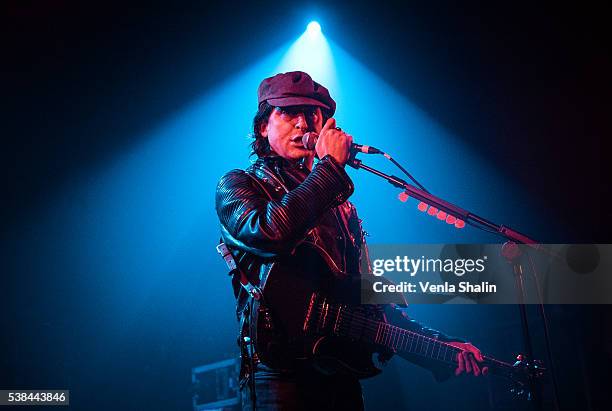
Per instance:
{"type": "Point", "coordinates": [404, 341]}
{"type": "Point", "coordinates": [343, 320]}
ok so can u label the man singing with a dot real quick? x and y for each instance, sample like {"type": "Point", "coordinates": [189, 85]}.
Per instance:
{"type": "Point", "coordinates": [278, 202]}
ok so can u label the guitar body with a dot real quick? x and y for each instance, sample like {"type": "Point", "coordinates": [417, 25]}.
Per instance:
{"type": "Point", "coordinates": [301, 317]}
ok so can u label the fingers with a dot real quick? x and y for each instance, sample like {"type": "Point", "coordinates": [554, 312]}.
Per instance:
{"type": "Point", "coordinates": [468, 361]}
{"type": "Point", "coordinates": [334, 142]}
{"type": "Point", "coordinates": [461, 364]}
{"type": "Point", "coordinates": [476, 352]}
{"type": "Point", "coordinates": [329, 124]}
{"type": "Point", "coordinates": [475, 367]}
{"type": "Point", "coordinates": [477, 356]}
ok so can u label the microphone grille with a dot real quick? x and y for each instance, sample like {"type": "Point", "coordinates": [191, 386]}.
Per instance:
{"type": "Point", "coordinates": [309, 140]}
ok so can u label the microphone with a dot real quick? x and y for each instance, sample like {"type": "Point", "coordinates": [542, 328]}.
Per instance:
{"type": "Point", "coordinates": [310, 138]}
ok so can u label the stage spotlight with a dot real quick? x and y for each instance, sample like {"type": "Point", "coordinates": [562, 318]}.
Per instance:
{"type": "Point", "coordinates": [313, 27]}
{"type": "Point", "coordinates": [311, 53]}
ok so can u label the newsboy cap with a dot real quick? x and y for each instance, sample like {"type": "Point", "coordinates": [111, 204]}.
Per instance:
{"type": "Point", "coordinates": [295, 88]}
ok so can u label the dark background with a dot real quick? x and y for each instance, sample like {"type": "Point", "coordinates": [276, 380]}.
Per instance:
{"type": "Point", "coordinates": [77, 81]}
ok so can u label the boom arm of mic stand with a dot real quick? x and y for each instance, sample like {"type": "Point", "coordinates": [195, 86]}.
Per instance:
{"type": "Point", "coordinates": [447, 207]}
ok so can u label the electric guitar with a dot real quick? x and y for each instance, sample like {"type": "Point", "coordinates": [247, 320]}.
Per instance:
{"type": "Point", "coordinates": [310, 312]}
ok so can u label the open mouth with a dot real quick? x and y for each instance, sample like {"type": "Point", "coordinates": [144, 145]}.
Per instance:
{"type": "Point", "coordinates": [297, 141]}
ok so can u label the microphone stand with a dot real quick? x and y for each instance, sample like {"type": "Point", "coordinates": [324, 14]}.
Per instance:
{"type": "Point", "coordinates": [460, 213]}
{"type": "Point", "coordinates": [510, 251]}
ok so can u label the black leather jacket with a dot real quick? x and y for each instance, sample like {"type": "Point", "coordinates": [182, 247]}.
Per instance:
{"type": "Point", "coordinates": [269, 208]}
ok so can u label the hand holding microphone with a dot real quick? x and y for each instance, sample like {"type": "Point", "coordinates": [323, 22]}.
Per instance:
{"type": "Point", "coordinates": [335, 142]}
{"type": "Point", "coordinates": [332, 141]}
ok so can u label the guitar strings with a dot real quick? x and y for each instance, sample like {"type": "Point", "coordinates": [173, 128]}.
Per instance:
{"type": "Point", "coordinates": [394, 333]}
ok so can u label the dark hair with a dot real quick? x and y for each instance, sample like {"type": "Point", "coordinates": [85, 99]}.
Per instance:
{"type": "Point", "coordinates": [260, 146]}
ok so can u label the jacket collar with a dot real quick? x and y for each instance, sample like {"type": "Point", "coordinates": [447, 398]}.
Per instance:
{"type": "Point", "coordinates": [274, 170]}
{"type": "Point", "coordinates": [275, 161]}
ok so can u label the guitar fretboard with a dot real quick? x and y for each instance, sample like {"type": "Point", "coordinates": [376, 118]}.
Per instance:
{"type": "Point", "coordinates": [347, 321]}
{"type": "Point", "coordinates": [399, 339]}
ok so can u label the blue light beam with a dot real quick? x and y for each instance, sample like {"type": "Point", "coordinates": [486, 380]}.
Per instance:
{"type": "Point", "coordinates": [311, 53]}
{"type": "Point", "coordinates": [313, 28]}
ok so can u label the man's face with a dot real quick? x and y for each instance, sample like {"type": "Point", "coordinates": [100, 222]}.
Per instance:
{"type": "Point", "coordinates": [287, 125]}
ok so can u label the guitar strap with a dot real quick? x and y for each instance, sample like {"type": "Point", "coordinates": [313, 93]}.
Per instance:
{"type": "Point", "coordinates": [254, 300]}
{"type": "Point", "coordinates": [251, 289]}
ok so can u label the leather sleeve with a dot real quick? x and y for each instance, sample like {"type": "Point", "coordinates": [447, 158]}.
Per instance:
{"type": "Point", "coordinates": [252, 222]}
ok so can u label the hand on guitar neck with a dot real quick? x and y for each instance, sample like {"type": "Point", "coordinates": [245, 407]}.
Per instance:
{"type": "Point", "coordinates": [468, 359]}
